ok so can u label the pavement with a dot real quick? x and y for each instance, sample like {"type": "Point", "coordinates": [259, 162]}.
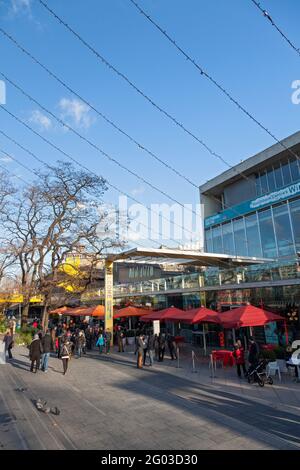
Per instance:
{"type": "Point", "coordinates": [107, 403]}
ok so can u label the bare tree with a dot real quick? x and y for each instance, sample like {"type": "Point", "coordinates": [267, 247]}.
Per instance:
{"type": "Point", "coordinates": [45, 225]}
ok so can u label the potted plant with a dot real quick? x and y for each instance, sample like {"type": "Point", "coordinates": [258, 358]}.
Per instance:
{"type": "Point", "coordinates": [268, 354]}
{"type": "Point", "coordinates": [130, 337]}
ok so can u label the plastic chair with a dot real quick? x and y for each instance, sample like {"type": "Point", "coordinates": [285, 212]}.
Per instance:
{"type": "Point", "coordinates": [272, 368]}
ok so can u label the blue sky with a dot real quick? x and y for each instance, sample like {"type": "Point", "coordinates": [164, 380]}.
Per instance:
{"type": "Point", "coordinates": [230, 39]}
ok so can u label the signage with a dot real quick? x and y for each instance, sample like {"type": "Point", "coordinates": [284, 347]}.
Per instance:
{"type": "Point", "coordinates": [252, 205]}
{"type": "Point", "coordinates": [109, 296]}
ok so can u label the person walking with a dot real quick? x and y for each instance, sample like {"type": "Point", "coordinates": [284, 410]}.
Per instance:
{"type": "Point", "coordinates": [47, 347]}
{"type": "Point", "coordinates": [253, 353]}
{"type": "Point", "coordinates": [79, 342]}
{"type": "Point", "coordinates": [8, 341]}
{"type": "Point", "coordinates": [119, 334]}
{"type": "Point", "coordinates": [161, 347]}
{"type": "Point", "coordinates": [141, 347]}
{"type": "Point", "coordinates": [172, 346]}
{"type": "Point", "coordinates": [156, 347]}
{"type": "Point", "coordinates": [65, 354]}
{"type": "Point", "coordinates": [239, 355]}
{"type": "Point", "coordinates": [35, 351]}
{"type": "Point", "coordinates": [145, 349]}
{"type": "Point", "coordinates": [89, 338]}
{"type": "Point", "coordinates": [107, 339]}
{"type": "Point", "coordinates": [151, 348]}
{"type": "Point", "coordinates": [100, 343]}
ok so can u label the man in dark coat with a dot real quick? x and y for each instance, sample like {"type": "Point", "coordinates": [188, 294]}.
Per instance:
{"type": "Point", "coordinates": [47, 347]}
{"type": "Point", "coordinates": [172, 347]}
{"type": "Point", "coordinates": [253, 353]}
{"type": "Point", "coordinates": [35, 351]}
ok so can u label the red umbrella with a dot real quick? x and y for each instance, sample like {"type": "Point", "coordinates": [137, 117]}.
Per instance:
{"type": "Point", "coordinates": [164, 314]}
{"type": "Point", "coordinates": [204, 315]}
{"type": "Point", "coordinates": [247, 315]}
{"type": "Point", "coordinates": [131, 311]}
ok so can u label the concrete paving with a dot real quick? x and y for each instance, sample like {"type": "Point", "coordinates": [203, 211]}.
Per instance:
{"type": "Point", "coordinates": [107, 403]}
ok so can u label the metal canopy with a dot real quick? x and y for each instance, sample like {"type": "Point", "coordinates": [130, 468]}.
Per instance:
{"type": "Point", "coordinates": [166, 255]}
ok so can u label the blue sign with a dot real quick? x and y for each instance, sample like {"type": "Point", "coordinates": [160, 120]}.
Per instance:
{"type": "Point", "coordinates": [252, 205]}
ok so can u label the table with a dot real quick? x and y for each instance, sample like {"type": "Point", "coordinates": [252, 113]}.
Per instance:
{"type": "Point", "coordinates": [225, 355]}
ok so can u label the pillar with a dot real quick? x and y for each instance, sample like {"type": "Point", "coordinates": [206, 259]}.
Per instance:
{"type": "Point", "coordinates": [109, 298]}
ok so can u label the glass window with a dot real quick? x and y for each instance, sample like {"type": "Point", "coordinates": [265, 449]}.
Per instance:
{"type": "Point", "coordinates": [228, 246]}
{"type": "Point", "coordinates": [271, 180]}
{"type": "Point", "coordinates": [278, 177]}
{"type": "Point", "coordinates": [253, 240]}
{"type": "Point", "coordinates": [294, 165]}
{"type": "Point", "coordinates": [264, 182]}
{"type": "Point", "coordinates": [295, 216]}
{"type": "Point", "coordinates": [240, 237]}
{"type": "Point", "coordinates": [217, 240]}
{"type": "Point", "coordinates": [286, 174]}
{"type": "Point", "coordinates": [267, 234]}
{"type": "Point", "coordinates": [283, 230]}
{"type": "Point", "coordinates": [208, 241]}
{"type": "Point", "coordinates": [258, 185]}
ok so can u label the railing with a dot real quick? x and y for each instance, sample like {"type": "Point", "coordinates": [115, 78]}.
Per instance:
{"type": "Point", "coordinates": [282, 270]}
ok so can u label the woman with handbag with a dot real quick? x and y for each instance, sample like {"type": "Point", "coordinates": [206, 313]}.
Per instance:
{"type": "Point", "coordinates": [9, 343]}
{"type": "Point", "coordinates": [65, 354]}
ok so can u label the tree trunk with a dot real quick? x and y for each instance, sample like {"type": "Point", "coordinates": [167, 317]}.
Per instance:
{"type": "Point", "coordinates": [25, 312]}
{"type": "Point", "coordinates": [45, 317]}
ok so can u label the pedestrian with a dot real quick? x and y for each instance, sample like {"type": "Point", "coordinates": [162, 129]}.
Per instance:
{"type": "Point", "coordinates": [35, 351]}
{"type": "Point", "coordinates": [47, 347]}
{"type": "Point", "coordinates": [89, 338]}
{"type": "Point", "coordinates": [120, 339]}
{"type": "Point", "coordinates": [151, 348]}
{"type": "Point", "coordinates": [65, 354]}
{"type": "Point", "coordinates": [141, 347]}
{"type": "Point", "coordinates": [145, 350]}
{"type": "Point", "coordinates": [239, 355]}
{"type": "Point", "coordinates": [80, 340]}
{"type": "Point", "coordinates": [252, 354]}
{"type": "Point", "coordinates": [8, 341]}
{"type": "Point", "coordinates": [12, 325]}
{"type": "Point", "coordinates": [161, 347]}
{"type": "Point", "coordinates": [100, 343]}
{"type": "Point", "coordinates": [107, 339]}
{"type": "Point", "coordinates": [172, 346]}
{"type": "Point", "coordinates": [156, 347]}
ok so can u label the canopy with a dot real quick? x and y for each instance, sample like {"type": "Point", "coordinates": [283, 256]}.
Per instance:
{"type": "Point", "coordinates": [204, 315]}
{"type": "Point", "coordinates": [59, 310]}
{"type": "Point", "coordinates": [164, 314]}
{"type": "Point", "coordinates": [94, 311]}
{"type": "Point", "coordinates": [131, 312]}
{"type": "Point", "coordinates": [247, 315]}
{"type": "Point", "coordinates": [180, 315]}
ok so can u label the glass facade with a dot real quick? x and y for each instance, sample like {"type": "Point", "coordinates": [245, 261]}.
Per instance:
{"type": "Point", "coordinates": [271, 233]}
{"type": "Point", "coordinates": [277, 176]}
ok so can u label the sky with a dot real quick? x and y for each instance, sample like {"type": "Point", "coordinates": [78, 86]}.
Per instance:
{"type": "Point", "coordinates": [230, 39]}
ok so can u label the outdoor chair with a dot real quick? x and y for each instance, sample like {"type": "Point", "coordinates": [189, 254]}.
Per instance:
{"type": "Point", "coordinates": [272, 368]}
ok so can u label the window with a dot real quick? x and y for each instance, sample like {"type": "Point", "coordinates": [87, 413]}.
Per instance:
{"type": "Point", "coordinates": [267, 234]}
{"type": "Point", "coordinates": [294, 166]}
{"type": "Point", "coordinates": [240, 237]}
{"type": "Point", "coordinates": [278, 177]}
{"type": "Point", "coordinates": [217, 240]}
{"type": "Point", "coordinates": [258, 185]}
{"type": "Point", "coordinates": [208, 241]}
{"type": "Point", "coordinates": [264, 182]}
{"type": "Point", "coordinates": [295, 216]}
{"type": "Point", "coordinates": [286, 174]}
{"type": "Point", "coordinates": [271, 180]}
{"type": "Point", "coordinates": [283, 230]}
{"type": "Point", "coordinates": [253, 240]}
{"type": "Point", "coordinates": [228, 246]}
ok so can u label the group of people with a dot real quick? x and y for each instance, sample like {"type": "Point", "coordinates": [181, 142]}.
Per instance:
{"type": "Point", "coordinates": [239, 355]}
{"type": "Point", "coordinates": [153, 346]}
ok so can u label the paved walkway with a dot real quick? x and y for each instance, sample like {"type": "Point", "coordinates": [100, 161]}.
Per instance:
{"type": "Point", "coordinates": [107, 403]}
